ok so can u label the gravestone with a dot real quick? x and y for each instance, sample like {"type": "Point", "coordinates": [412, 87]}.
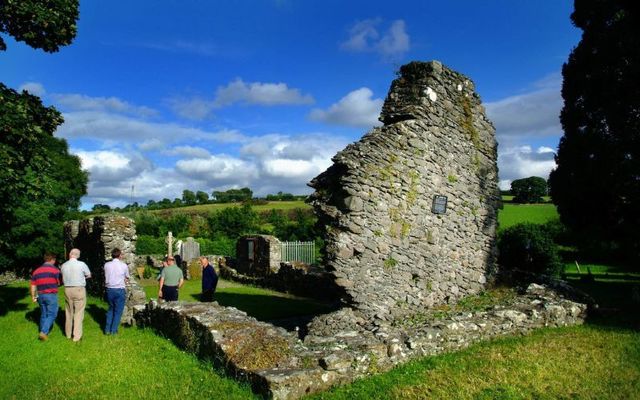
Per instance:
{"type": "Point", "coordinates": [189, 250]}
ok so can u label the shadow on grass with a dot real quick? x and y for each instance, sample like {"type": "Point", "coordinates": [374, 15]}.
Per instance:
{"type": "Point", "coordinates": [268, 308]}
{"type": "Point", "coordinates": [617, 305]}
{"type": "Point", "coordinates": [98, 314]}
{"type": "Point", "coordinates": [34, 317]}
{"type": "Point", "coordinates": [10, 298]}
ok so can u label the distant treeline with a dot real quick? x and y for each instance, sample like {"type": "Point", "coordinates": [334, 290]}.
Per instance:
{"type": "Point", "coordinates": [191, 198]}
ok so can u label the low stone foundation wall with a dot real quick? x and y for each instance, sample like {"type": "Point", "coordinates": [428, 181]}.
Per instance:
{"type": "Point", "coordinates": [281, 366]}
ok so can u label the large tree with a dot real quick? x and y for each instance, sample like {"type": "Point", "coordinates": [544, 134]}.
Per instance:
{"type": "Point", "coordinates": [45, 25]}
{"type": "Point", "coordinates": [596, 184]}
{"type": "Point", "coordinates": [529, 190]}
{"type": "Point", "coordinates": [41, 181]}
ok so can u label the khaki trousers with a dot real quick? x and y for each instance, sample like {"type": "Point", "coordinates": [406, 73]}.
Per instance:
{"type": "Point", "coordinates": [75, 300]}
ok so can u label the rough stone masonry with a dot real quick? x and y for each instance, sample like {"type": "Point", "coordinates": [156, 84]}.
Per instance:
{"type": "Point", "coordinates": [389, 245]}
{"type": "Point", "coordinates": [96, 237]}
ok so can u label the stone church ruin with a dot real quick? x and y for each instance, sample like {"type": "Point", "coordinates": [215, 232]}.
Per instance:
{"type": "Point", "coordinates": [410, 215]}
{"type": "Point", "coordinates": [410, 210]}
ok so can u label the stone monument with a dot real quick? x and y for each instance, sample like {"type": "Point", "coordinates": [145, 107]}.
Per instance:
{"type": "Point", "coordinates": [189, 250]}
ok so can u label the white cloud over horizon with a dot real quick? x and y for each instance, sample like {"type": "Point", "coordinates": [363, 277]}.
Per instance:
{"type": "Point", "coordinates": [531, 114]}
{"type": "Point", "coordinates": [358, 108]}
{"type": "Point", "coordinates": [523, 162]}
{"type": "Point", "coordinates": [160, 159]}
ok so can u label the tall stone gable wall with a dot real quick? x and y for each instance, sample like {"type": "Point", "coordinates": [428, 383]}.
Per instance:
{"type": "Point", "coordinates": [385, 246]}
{"type": "Point", "coordinates": [96, 237]}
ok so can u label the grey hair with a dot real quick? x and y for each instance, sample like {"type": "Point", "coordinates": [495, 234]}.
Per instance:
{"type": "Point", "coordinates": [74, 253]}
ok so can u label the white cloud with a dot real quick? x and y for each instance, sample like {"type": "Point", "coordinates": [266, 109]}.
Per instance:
{"type": "Point", "coordinates": [364, 36]}
{"type": "Point", "coordinates": [80, 102]}
{"type": "Point", "coordinates": [395, 41]}
{"type": "Point", "coordinates": [357, 108]}
{"type": "Point", "coordinates": [531, 114]}
{"type": "Point", "coordinates": [189, 151]}
{"type": "Point", "coordinates": [106, 167]}
{"type": "Point", "coordinates": [34, 88]}
{"type": "Point", "coordinates": [268, 94]}
{"type": "Point", "coordinates": [361, 34]}
{"type": "Point", "coordinates": [523, 162]}
{"type": "Point", "coordinates": [218, 170]}
{"type": "Point", "coordinates": [147, 135]}
{"type": "Point", "coordinates": [126, 154]}
{"type": "Point", "coordinates": [195, 108]}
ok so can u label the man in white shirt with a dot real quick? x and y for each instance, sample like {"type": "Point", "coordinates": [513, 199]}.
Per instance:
{"type": "Point", "coordinates": [74, 275]}
{"type": "Point", "coordinates": [116, 275]}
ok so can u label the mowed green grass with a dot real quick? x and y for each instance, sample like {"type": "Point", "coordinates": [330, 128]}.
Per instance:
{"type": "Point", "coordinates": [135, 364]}
{"type": "Point", "coordinates": [513, 214]}
{"type": "Point", "coordinates": [584, 362]}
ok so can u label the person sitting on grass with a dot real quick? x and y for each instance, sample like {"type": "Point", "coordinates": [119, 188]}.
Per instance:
{"type": "Point", "coordinates": [171, 279]}
{"type": "Point", "coordinates": [44, 289]}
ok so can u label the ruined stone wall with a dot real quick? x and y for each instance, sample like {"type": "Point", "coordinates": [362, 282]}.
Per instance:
{"type": "Point", "coordinates": [264, 258]}
{"type": "Point", "coordinates": [386, 247]}
{"type": "Point", "coordinates": [280, 366]}
{"type": "Point", "coordinates": [96, 237]}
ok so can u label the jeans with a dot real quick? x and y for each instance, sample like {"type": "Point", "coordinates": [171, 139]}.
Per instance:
{"type": "Point", "coordinates": [48, 311]}
{"type": "Point", "coordinates": [116, 299]}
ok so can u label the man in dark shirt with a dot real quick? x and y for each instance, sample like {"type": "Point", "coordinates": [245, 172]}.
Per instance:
{"type": "Point", "coordinates": [209, 279]}
{"type": "Point", "coordinates": [44, 289]}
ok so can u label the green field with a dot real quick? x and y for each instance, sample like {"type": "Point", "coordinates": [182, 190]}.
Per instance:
{"type": "Point", "coordinates": [207, 208]}
{"type": "Point", "coordinates": [513, 214]}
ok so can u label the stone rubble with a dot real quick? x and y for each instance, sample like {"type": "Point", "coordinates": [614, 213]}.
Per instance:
{"type": "Point", "coordinates": [344, 346]}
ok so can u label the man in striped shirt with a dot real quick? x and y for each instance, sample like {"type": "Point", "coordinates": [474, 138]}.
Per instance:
{"type": "Point", "coordinates": [44, 289]}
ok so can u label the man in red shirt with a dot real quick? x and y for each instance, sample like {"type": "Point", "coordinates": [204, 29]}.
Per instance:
{"type": "Point", "coordinates": [45, 280]}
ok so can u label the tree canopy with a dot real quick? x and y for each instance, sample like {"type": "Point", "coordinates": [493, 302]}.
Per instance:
{"type": "Point", "coordinates": [41, 180]}
{"type": "Point", "coordinates": [529, 190]}
{"type": "Point", "coordinates": [45, 25]}
{"type": "Point", "coordinates": [596, 184]}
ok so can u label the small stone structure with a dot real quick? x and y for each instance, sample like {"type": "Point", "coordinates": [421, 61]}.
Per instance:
{"type": "Point", "coordinates": [258, 255]}
{"type": "Point", "coordinates": [410, 210]}
{"type": "Point", "coordinates": [96, 237]}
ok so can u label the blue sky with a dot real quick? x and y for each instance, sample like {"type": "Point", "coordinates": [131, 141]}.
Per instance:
{"type": "Point", "coordinates": [167, 95]}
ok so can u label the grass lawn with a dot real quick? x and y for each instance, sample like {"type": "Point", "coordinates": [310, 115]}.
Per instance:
{"type": "Point", "coordinates": [135, 364]}
{"type": "Point", "coordinates": [600, 360]}
{"type": "Point", "coordinates": [513, 214]}
{"type": "Point", "coordinates": [263, 304]}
